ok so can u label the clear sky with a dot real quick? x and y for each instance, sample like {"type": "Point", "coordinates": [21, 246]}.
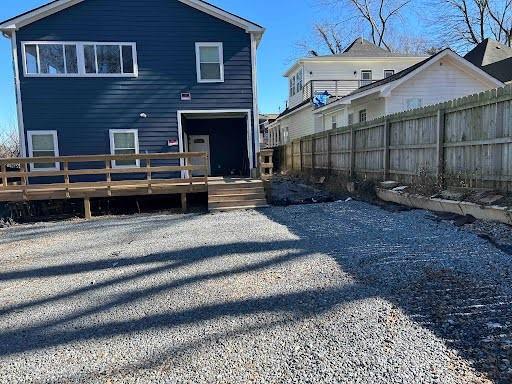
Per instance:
{"type": "Point", "coordinates": [286, 21]}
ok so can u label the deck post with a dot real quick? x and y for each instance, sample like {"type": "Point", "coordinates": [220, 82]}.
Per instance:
{"type": "Point", "coordinates": [184, 204]}
{"type": "Point", "coordinates": [87, 208]}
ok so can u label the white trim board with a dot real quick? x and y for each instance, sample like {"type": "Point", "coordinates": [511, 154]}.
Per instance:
{"type": "Point", "coordinates": [19, 104]}
{"type": "Point", "coordinates": [56, 6]}
{"type": "Point", "coordinates": [247, 112]}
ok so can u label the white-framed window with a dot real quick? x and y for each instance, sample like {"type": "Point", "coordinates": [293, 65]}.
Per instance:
{"type": "Point", "coordinates": [79, 59]}
{"type": "Point", "coordinates": [292, 88]}
{"type": "Point", "coordinates": [414, 103]}
{"type": "Point", "coordinates": [43, 144]}
{"type": "Point", "coordinates": [388, 73]}
{"type": "Point", "coordinates": [294, 85]}
{"type": "Point", "coordinates": [362, 115]}
{"type": "Point", "coordinates": [366, 77]}
{"type": "Point", "coordinates": [300, 81]}
{"type": "Point", "coordinates": [124, 142]}
{"type": "Point", "coordinates": [210, 62]}
{"type": "Point", "coordinates": [350, 119]}
{"type": "Point", "coordinates": [334, 121]}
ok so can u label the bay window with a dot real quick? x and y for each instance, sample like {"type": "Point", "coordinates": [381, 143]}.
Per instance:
{"type": "Point", "coordinates": [54, 59]}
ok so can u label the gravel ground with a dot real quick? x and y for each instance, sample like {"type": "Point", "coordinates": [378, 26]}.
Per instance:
{"type": "Point", "coordinates": [340, 292]}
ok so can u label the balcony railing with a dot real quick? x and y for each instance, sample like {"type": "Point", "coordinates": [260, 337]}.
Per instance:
{"type": "Point", "coordinates": [334, 88]}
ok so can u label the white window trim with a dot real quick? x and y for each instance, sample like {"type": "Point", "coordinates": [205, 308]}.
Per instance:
{"type": "Point", "coordinates": [220, 47]}
{"type": "Point", "coordinates": [112, 149]}
{"type": "Point", "coordinates": [30, 134]}
{"type": "Point", "coordinates": [388, 70]}
{"type": "Point", "coordinates": [80, 59]}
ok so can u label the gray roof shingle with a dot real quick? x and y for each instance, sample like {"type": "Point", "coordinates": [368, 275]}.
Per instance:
{"type": "Point", "coordinates": [494, 58]}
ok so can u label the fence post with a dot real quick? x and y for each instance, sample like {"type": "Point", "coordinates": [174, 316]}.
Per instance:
{"type": "Point", "coordinates": [352, 151]}
{"type": "Point", "coordinates": [440, 146]}
{"type": "Point", "coordinates": [300, 154]}
{"type": "Point", "coordinates": [387, 132]}
{"type": "Point", "coordinates": [312, 155]}
{"type": "Point", "coordinates": [329, 149]}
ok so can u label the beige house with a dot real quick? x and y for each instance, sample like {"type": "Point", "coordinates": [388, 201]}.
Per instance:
{"type": "Point", "coordinates": [442, 77]}
{"type": "Point", "coordinates": [362, 63]}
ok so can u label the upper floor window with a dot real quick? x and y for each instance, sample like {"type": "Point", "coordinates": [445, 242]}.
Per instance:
{"type": "Point", "coordinates": [210, 62]}
{"type": "Point", "coordinates": [334, 121]}
{"type": "Point", "coordinates": [350, 119]}
{"type": "Point", "coordinates": [300, 81]}
{"type": "Point", "coordinates": [362, 116]}
{"type": "Point", "coordinates": [292, 87]}
{"type": "Point", "coordinates": [61, 59]}
{"type": "Point", "coordinates": [366, 77]}
{"type": "Point", "coordinates": [388, 73]}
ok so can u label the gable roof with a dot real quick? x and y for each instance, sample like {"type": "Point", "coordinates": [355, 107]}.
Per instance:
{"type": "Point", "coordinates": [387, 85]}
{"type": "Point", "coordinates": [494, 58]}
{"type": "Point", "coordinates": [55, 6]}
{"type": "Point", "coordinates": [363, 48]}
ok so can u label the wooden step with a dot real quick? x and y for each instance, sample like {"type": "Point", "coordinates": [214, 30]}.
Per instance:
{"type": "Point", "coordinates": [235, 191]}
{"type": "Point", "coordinates": [241, 204]}
{"type": "Point", "coordinates": [235, 197]}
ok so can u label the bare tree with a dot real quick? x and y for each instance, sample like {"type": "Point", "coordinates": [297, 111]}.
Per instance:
{"type": "Point", "coordinates": [9, 144]}
{"type": "Point", "coordinates": [465, 23]}
{"type": "Point", "coordinates": [373, 18]}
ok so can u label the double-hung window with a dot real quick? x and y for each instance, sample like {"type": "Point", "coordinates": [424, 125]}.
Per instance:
{"type": "Point", "coordinates": [79, 59]}
{"type": "Point", "coordinates": [300, 81]}
{"type": "Point", "coordinates": [366, 77]}
{"type": "Point", "coordinates": [43, 144]}
{"type": "Point", "coordinates": [124, 142]}
{"type": "Point", "coordinates": [210, 62]}
{"type": "Point", "coordinates": [334, 121]}
{"type": "Point", "coordinates": [362, 116]}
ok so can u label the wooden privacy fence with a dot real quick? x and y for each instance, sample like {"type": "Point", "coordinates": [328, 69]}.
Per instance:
{"type": "Point", "coordinates": [83, 177]}
{"type": "Point", "coordinates": [465, 142]}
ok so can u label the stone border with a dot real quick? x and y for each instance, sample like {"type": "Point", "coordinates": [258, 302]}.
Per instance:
{"type": "Point", "coordinates": [488, 213]}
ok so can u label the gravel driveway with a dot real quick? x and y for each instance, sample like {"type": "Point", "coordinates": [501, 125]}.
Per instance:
{"type": "Point", "coordinates": [339, 292]}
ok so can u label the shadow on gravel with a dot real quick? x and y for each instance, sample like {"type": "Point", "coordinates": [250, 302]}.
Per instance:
{"type": "Point", "coordinates": [440, 277]}
{"type": "Point", "coordinates": [432, 272]}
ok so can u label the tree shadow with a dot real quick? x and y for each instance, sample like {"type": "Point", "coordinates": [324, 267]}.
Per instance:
{"type": "Point", "coordinates": [447, 280]}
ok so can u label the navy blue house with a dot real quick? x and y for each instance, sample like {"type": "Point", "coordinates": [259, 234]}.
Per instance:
{"type": "Point", "coordinates": [120, 77]}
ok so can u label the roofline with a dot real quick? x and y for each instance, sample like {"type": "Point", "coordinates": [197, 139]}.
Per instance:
{"type": "Point", "coordinates": [335, 59]}
{"type": "Point", "coordinates": [385, 89]}
{"type": "Point", "coordinates": [55, 6]}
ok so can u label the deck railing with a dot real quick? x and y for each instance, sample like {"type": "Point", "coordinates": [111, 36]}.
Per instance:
{"type": "Point", "coordinates": [336, 88]}
{"type": "Point", "coordinates": [98, 176]}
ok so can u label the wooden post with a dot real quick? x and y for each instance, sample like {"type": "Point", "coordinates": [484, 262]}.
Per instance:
{"type": "Point", "coordinates": [440, 146]}
{"type": "Point", "coordinates": [4, 175]}
{"type": "Point", "coordinates": [108, 165]}
{"type": "Point", "coordinates": [184, 205]}
{"type": "Point", "coordinates": [387, 128]}
{"type": "Point", "coordinates": [149, 175]}
{"type": "Point", "coordinates": [312, 155]}
{"type": "Point", "coordinates": [300, 154]}
{"type": "Point", "coordinates": [87, 208]}
{"type": "Point", "coordinates": [291, 167]}
{"type": "Point", "coordinates": [66, 178]}
{"type": "Point", "coordinates": [352, 151]}
{"type": "Point", "coordinates": [329, 150]}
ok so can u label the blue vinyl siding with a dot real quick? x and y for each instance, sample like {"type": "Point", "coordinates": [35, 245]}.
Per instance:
{"type": "Point", "coordinates": [83, 110]}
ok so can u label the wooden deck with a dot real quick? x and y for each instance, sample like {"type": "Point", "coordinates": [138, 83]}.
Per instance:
{"type": "Point", "coordinates": [155, 176]}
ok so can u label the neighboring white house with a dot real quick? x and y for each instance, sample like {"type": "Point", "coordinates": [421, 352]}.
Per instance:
{"type": "Point", "coordinates": [442, 77]}
{"type": "Point", "coordinates": [362, 63]}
